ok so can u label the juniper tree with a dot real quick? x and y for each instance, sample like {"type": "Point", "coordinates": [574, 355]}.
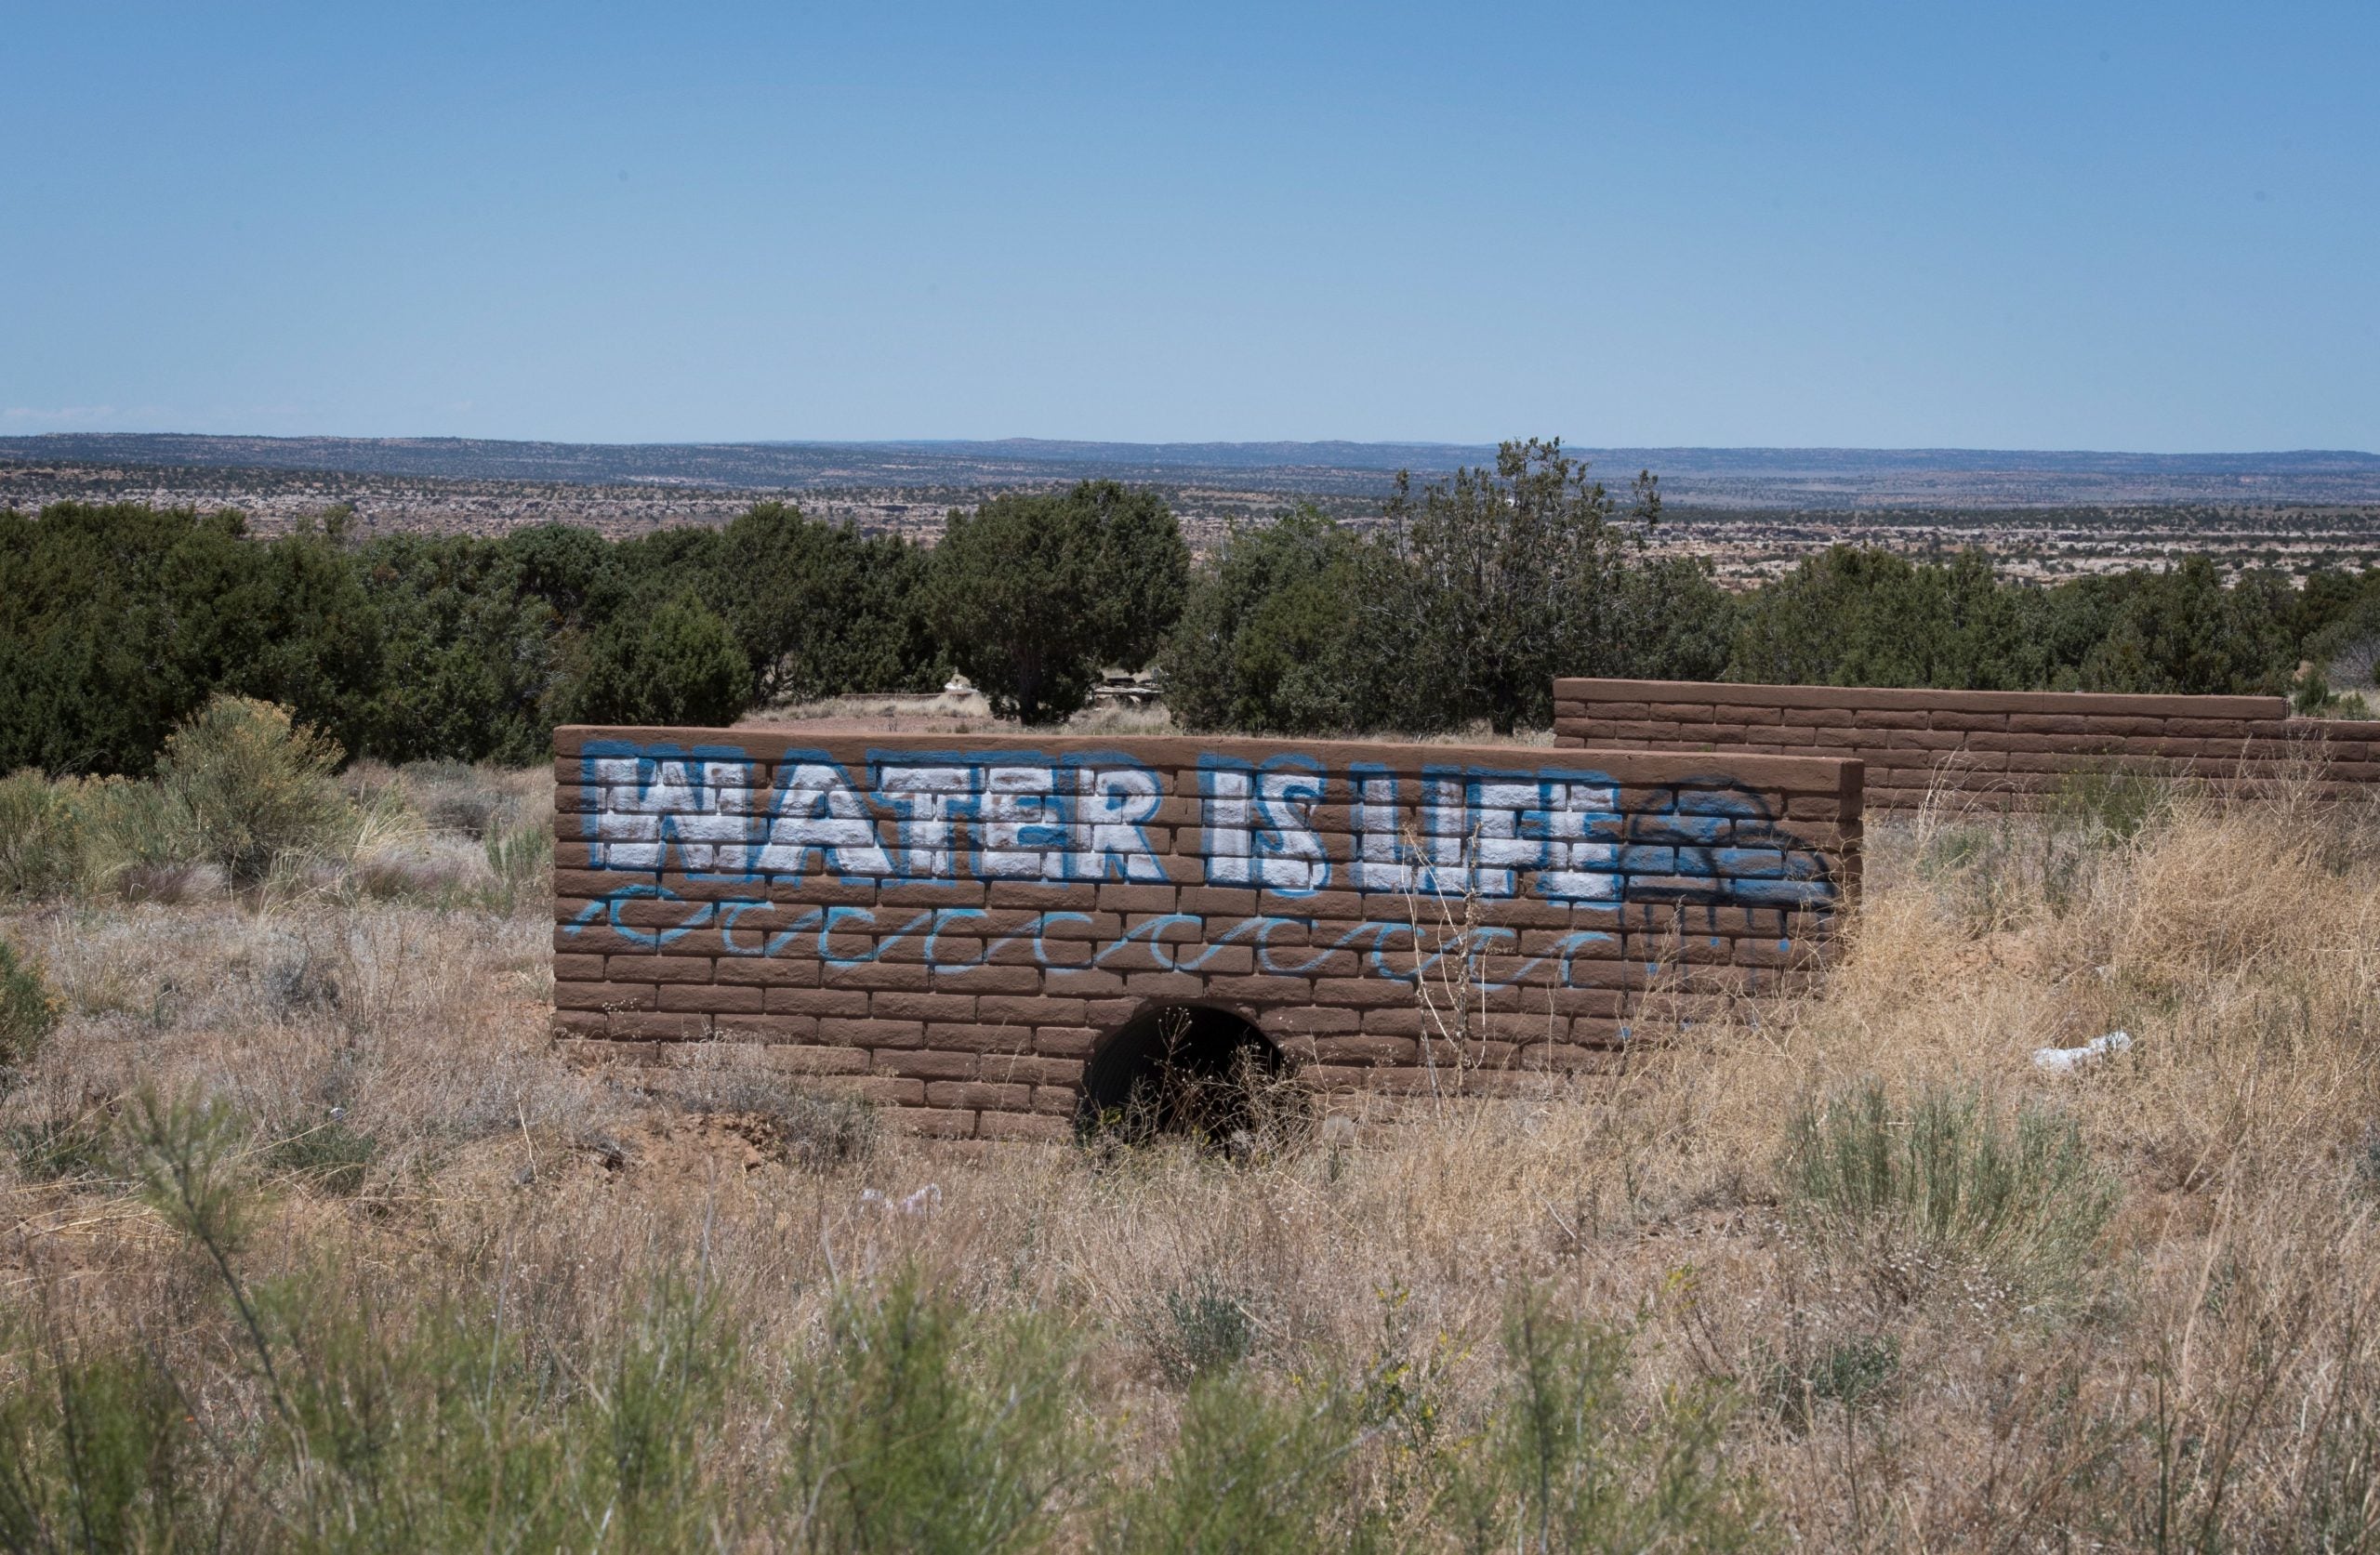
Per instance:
{"type": "Point", "coordinates": [1034, 591]}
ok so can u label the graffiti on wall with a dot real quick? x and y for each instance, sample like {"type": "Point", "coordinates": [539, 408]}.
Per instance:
{"type": "Point", "coordinates": [1551, 834]}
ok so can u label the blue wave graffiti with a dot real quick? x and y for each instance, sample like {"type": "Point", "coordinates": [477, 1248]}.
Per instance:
{"type": "Point", "coordinates": [819, 928]}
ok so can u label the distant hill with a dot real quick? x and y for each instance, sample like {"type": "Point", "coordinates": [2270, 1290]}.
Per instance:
{"type": "Point", "coordinates": [1781, 478]}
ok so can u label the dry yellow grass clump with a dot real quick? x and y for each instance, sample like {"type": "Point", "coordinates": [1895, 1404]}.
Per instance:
{"type": "Point", "coordinates": [315, 1243]}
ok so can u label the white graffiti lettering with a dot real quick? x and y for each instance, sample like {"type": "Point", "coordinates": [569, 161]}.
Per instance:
{"type": "Point", "coordinates": [673, 814]}
{"type": "Point", "coordinates": [949, 817]}
{"type": "Point", "coordinates": [1259, 829]}
{"type": "Point", "coordinates": [817, 812]}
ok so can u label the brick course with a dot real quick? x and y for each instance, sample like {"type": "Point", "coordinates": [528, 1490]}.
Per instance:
{"type": "Point", "coordinates": [2010, 749]}
{"type": "Point", "coordinates": [953, 925]}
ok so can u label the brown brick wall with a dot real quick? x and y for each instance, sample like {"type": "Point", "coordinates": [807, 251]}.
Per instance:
{"type": "Point", "coordinates": [2009, 748]}
{"type": "Point", "coordinates": [953, 925]}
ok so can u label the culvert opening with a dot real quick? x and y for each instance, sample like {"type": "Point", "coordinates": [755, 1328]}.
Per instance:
{"type": "Point", "coordinates": [1183, 1069]}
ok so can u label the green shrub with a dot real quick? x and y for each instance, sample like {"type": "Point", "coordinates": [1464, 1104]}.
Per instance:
{"type": "Point", "coordinates": [1198, 1328]}
{"type": "Point", "coordinates": [1252, 1469]}
{"type": "Point", "coordinates": [256, 786]}
{"type": "Point", "coordinates": [40, 836]}
{"type": "Point", "coordinates": [822, 610]}
{"type": "Point", "coordinates": [1464, 604]}
{"type": "Point", "coordinates": [1269, 643]}
{"type": "Point", "coordinates": [911, 1440]}
{"type": "Point", "coordinates": [1034, 593]}
{"type": "Point", "coordinates": [659, 1400]}
{"type": "Point", "coordinates": [96, 1450]}
{"type": "Point", "coordinates": [1859, 617]}
{"type": "Point", "coordinates": [1948, 1177]}
{"type": "Point", "coordinates": [1494, 583]}
{"type": "Point", "coordinates": [28, 1011]}
{"type": "Point", "coordinates": [1568, 1464]}
{"type": "Point", "coordinates": [2183, 630]}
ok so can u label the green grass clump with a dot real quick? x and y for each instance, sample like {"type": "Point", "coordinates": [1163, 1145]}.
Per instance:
{"type": "Point", "coordinates": [1948, 1177]}
{"type": "Point", "coordinates": [96, 1450]}
{"type": "Point", "coordinates": [521, 861]}
{"type": "Point", "coordinates": [1253, 1467]}
{"type": "Point", "coordinates": [64, 1149]}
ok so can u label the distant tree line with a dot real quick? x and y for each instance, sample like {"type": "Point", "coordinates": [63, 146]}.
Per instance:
{"type": "Point", "coordinates": [1472, 598]}
{"type": "Point", "coordinates": [119, 621]}
{"type": "Point", "coordinates": [1460, 607]}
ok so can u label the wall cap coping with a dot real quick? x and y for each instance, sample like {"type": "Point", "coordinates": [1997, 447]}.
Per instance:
{"type": "Point", "coordinates": [1728, 693]}
{"type": "Point", "coordinates": [1796, 773]}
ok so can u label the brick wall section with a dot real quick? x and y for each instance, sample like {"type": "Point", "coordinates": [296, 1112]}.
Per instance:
{"type": "Point", "coordinates": [2007, 748]}
{"type": "Point", "coordinates": [952, 924]}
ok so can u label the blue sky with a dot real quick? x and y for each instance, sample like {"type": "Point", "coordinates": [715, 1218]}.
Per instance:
{"type": "Point", "coordinates": [2150, 228]}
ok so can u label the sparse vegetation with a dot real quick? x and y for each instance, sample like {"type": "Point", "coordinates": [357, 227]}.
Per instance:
{"type": "Point", "coordinates": [1852, 1371]}
{"type": "Point", "coordinates": [245, 801]}
{"type": "Point", "coordinates": [319, 1245]}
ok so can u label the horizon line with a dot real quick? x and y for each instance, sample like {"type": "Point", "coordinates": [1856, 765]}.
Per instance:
{"type": "Point", "coordinates": [1064, 443]}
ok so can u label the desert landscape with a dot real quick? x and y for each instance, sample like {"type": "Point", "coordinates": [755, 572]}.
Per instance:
{"type": "Point", "coordinates": [1495, 779]}
{"type": "Point", "coordinates": [315, 1241]}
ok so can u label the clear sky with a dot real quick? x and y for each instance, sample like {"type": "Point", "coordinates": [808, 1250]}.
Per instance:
{"type": "Point", "coordinates": [2150, 226]}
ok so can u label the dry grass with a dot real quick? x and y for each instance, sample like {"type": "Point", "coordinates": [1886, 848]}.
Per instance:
{"type": "Point", "coordinates": [2205, 1379]}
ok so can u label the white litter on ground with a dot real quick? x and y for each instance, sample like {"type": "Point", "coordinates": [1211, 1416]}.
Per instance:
{"type": "Point", "coordinates": [2064, 1060]}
